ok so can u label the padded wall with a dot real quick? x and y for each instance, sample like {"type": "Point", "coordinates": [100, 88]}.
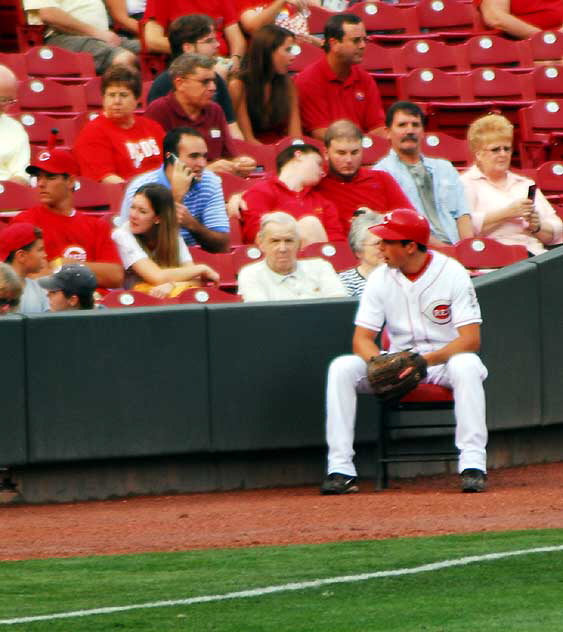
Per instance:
{"type": "Point", "coordinates": [13, 432]}
{"type": "Point", "coordinates": [117, 383]}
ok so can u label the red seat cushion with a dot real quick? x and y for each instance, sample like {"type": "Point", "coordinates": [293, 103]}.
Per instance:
{"type": "Point", "coordinates": [428, 393]}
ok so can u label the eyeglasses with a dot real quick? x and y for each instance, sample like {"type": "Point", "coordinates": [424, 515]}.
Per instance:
{"type": "Point", "coordinates": [497, 150]}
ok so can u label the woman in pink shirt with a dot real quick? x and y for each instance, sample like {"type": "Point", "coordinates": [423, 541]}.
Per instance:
{"type": "Point", "coordinates": [503, 204]}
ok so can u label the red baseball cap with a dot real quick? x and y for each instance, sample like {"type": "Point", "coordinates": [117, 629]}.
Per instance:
{"type": "Point", "coordinates": [57, 161]}
{"type": "Point", "coordinates": [403, 223]}
{"type": "Point", "coordinates": [16, 236]}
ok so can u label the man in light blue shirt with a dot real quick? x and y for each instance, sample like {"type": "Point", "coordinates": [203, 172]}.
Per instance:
{"type": "Point", "coordinates": [198, 192]}
{"type": "Point", "coordinates": [432, 185]}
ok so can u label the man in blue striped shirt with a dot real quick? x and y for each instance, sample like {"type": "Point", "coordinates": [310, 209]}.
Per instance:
{"type": "Point", "coordinates": [198, 193]}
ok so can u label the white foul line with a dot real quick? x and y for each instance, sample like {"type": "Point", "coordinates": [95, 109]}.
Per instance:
{"type": "Point", "coordinates": [268, 590]}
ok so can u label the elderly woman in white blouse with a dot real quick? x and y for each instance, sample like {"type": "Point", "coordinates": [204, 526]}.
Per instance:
{"type": "Point", "coordinates": [365, 246]}
{"type": "Point", "coordinates": [504, 205]}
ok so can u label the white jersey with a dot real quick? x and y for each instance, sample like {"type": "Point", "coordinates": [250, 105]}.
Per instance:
{"type": "Point", "coordinates": [421, 315]}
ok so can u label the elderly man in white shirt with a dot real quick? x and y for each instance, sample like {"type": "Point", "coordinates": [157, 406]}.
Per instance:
{"type": "Point", "coordinates": [280, 276]}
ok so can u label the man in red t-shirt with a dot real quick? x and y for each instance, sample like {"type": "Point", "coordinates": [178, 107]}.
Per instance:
{"type": "Point", "coordinates": [70, 236]}
{"type": "Point", "coordinates": [160, 13]}
{"type": "Point", "coordinates": [522, 18]}
{"type": "Point", "coordinates": [351, 186]}
{"type": "Point", "coordinates": [335, 87]}
{"type": "Point", "coordinates": [299, 169]}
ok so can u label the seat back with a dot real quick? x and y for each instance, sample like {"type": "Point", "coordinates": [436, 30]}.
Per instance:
{"type": "Point", "coordinates": [499, 85]}
{"type": "Point", "coordinates": [221, 262]}
{"type": "Point", "coordinates": [263, 154]}
{"type": "Point", "coordinates": [549, 178]}
{"type": "Point", "coordinates": [207, 295]}
{"type": "Point", "coordinates": [15, 197]}
{"type": "Point", "coordinates": [493, 50]}
{"type": "Point", "coordinates": [132, 298]}
{"type": "Point", "coordinates": [338, 254]}
{"type": "Point", "coordinates": [428, 53]}
{"type": "Point", "coordinates": [449, 19]}
{"type": "Point", "coordinates": [58, 63]}
{"type": "Point", "coordinates": [440, 145]}
{"type": "Point", "coordinates": [51, 98]}
{"type": "Point", "coordinates": [103, 197]}
{"type": "Point", "coordinates": [546, 46]}
{"type": "Point", "coordinates": [483, 252]}
{"type": "Point", "coordinates": [432, 84]}
{"type": "Point", "coordinates": [305, 54]}
{"type": "Point", "coordinates": [548, 81]}
{"type": "Point", "coordinates": [386, 21]}
{"type": "Point", "coordinates": [39, 127]}
{"type": "Point", "coordinates": [374, 148]}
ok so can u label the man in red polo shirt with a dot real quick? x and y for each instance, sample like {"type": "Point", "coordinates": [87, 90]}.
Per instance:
{"type": "Point", "coordinates": [351, 186]}
{"type": "Point", "coordinates": [160, 13]}
{"type": "Point", "coordinates": [299, 169]}
{"type": "Point", "coordinates": [335, 87]}
{"type": "Point", "coordinates": [70, 236]}
{"type": "Point", "coordinates": [191, 105]}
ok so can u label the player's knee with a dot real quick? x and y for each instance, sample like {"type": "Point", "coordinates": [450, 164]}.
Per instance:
{"type": "Point", "coordinates": [345, 366]}
{"type": "Point", "coordinates": [465, 365]}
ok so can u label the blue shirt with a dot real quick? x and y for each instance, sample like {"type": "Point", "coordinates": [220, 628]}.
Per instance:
{"type": "Point", "coordinates": [449, 194]}
{"type": "Point", "coordinates": [205, 201]}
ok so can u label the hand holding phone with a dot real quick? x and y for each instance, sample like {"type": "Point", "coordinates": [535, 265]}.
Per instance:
{"type": "Point", "coordinates": [532, 192]}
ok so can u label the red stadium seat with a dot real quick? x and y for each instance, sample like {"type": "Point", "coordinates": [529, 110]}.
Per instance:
{"type": "Point", "coordinates": [547, 46]}
{"type": "Point", "coordinates": [439, 145]}
{"type": "Point", "coordinates": [207, 295]}
{"type": "Point", "coordinates": [243, 255]}
{"type": "Point", "coordinates": [51, 97]}
{"type": "Point", "coordinates": [541, 129]}
{"type": "Point", "coordinates": [317, 19]}
{"type": "Point", "coordinates": [339, 254]}
{"type": "Point", "coordinates": [548, 81]}
{"type": "Point", "coordinates": [476, 253]}
{"type": "Point", "coordinates": [428, 53]}
{"type": "Point", "coordinates": [374, 148]}
{"type": "Point", "coordinates": [263, 154]}
{"type": "Point", "coordinates": [98, 197]}
{"type": "Point", "coordinates": [549, 178]}
{"type": "Point", "coordinates": [39, 127]}
{"type": "Point", "coordinates": [16, 63]}
{"type": "Point", "coordinates": [385, 65]}
{"type": "Point", "coordinates": [305, 55]}
{"type": "Point", "coordinates": [132, 298]}
{"type": "Point", "coordinates": [15, 197]}
{"type": "Point", "coordinates": [234, 184]}
{"type": "Point", "coordinates": [493, 50]}
{"type": "Point", "coordinates": [450, 20]}
{"type": "Point", "coordinates": [221, 262]}
{"type": "Point", "coordinates": [386, 22]}
{"type": "Point", "coordinates": [60, 64]}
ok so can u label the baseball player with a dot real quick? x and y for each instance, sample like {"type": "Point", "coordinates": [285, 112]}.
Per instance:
{"type": "Point", "coordinates": [429, 305]}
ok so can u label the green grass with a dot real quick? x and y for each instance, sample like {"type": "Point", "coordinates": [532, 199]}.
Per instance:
{"type": "Point", "coordinates": [521, 593]}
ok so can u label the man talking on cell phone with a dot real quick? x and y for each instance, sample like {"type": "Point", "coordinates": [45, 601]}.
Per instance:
{"type": "Point", "coordinates": [198, 193]}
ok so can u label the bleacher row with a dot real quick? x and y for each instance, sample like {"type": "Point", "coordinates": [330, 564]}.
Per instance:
{"type": "Point", "coordinates": [433, 52]}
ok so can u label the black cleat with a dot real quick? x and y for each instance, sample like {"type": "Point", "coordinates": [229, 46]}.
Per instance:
{"type": "Point", "coordinates": [473, 480]}
{"type": "Point", "coordinates": [336, 483]}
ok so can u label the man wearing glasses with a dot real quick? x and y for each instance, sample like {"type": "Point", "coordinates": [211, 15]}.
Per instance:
{"type": "Point", "coordinates": [14, 150]}
{"type": "Point", "coordinates": [191, 105]}
{"type": "Point", "coordinates": [335, 87]}
{"type": "Point", "coordinates": [432, 185]}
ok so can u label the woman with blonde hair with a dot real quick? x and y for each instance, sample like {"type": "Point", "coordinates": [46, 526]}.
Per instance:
{"type": "Point", "coordinates": [505, 205]}
{"type": "Point", "coordinates": [153, 253]}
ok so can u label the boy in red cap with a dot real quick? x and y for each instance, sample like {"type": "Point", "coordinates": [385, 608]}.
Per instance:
{"type": "Point", "coordinates": [22, 247]}
{"type": "Point", "coordinates": [70, 236]}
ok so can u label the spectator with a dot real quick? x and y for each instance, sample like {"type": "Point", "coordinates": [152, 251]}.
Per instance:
{"type": "Point", "coordinates": [191, 104]}
{"type": "Point", "coordinates": [299, 169]}
{"type": "Point", "coordinates": [151, 248]}
{"type": "Point", "coordinates": [522, 18]}
{"type": "Point", "coordinates": [280, 276]}
{"type": "Point", "coordinates": [14, 151]}
{"type": "Point", "coordinates": [264, 97]}
{"type": "Point", "coordinates": [70, 236]}
{"type": "Point", "coordinates": [159, 15]}
{"type": "Point", "coordinates": [10, 289]}
{"type": "Point", "coordinates": [22, 247]}
{"type": "Point", "coordinates": [72, 287]}
{"type": "Point", "coordinates": [365, 246]}
{"type": "Point", "coordinates": [196, 34]}
{"type": "Point", "coordinates": [431, 184]}
{"type": "Point", "coordinates": [429, 305]}
{"type": "Point", "coordinates": [126, 14]}
{"type": "Point", "coordinates": [291, 15]}
{"type": "Point", "coordinates": [197, 192]}
{"type": "Point", "coordinates": [498, 198]}
{"type": "Point", "coordinates": [351, 186]}
{"type": "Point", "coordinates": [335, 87]}
{"type": "Point", "coordinates": [119, 144]}
{"type": "Point", "coordinates": [82, 27]}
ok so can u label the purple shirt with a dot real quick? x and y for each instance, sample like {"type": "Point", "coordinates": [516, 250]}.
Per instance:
{"type": "Point", "coordinates": [211, 123]}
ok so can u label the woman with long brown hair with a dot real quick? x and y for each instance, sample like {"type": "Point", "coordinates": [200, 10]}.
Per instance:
{"type": "Point", "coordinates": [151, 248]}
{"type": "Point", "coordinates": [263, 95]}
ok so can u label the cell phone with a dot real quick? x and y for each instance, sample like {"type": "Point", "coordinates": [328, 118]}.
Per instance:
{"type": "Point", "coordinates": [532, 191]}
{"type": "Point", "coordinates": [171, 158]}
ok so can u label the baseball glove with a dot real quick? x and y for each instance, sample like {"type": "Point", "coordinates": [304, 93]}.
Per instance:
{"type": "Point", "coordinates": [388, 375]}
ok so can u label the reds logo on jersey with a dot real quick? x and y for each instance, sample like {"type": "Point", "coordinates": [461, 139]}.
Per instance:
{"type": "Point", "coordinates": [74, 252]}
{"type": "Point", "coordinates": [360, 96]}
{"type": "Point", "coordinates": [439, 312]}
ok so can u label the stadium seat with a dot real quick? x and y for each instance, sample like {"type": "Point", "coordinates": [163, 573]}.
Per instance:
{"type": "Point", "coordinates": [541, 130]}
{"type": "Point", "coordinates": [15, 197]}
{"type": "Point", "coordinates": [449, 20]}
{"type": "Point", "coordinates": [317, 19]}
{"type": "Point", "coordinates": [243, 255]}
{"type": "Point", "coordinates": [548, 81]}
{"type": "Point", "coordinates": [98, 197]}
{"type": "Point", "coordinates": [440, 145]}
{"type": "Point", "coordinates": [132, 298]}
{"type": "Point", "coordinates": [305, 55]}
{"type": "Point", "coordinates": [493, 50]}
{"type": "Point", "coordinates": [62, 65]}
{"type": "Point", "coordinates": [234, 184]}
{"type": "Point", "coordinates": [385, 65]}
{"type": "Point", "coordinates": [263, 154]}
{"type": "Point", "coordinates": [386, 22]}
{"type": "Point", "coordinates": [339, 254]}
{"type": "Point", "coordinates": [549, 178]}
{"type": "Point", "coordinates": [374, 148]}
{"type": "Point", "coordinates": [206, 295]}
{"type": "Point", "coordinates": [428, 53]}
{"type": "Point", "coordinates": [425, 397]}
{"type": "Point", "coordinates": [51, 97]}
{"type": "Point", "coordinates": [505, 89]}
{"type": "Point", "coordinates": [286, 141]}
{"type": "Point", "coordinates": [16, 63]}
{"type": "Point", "coordinates": [221, 262]}
{"type": "Point", "coordinates": [478, 253]}
{"type": "Point", "coordinates": [547, 46]}
{"type": "Point", "coordinates": [39, 127]}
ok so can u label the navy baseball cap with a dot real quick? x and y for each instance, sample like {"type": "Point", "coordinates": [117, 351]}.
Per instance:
{"type": "Point", "coordinates": [72, 279]}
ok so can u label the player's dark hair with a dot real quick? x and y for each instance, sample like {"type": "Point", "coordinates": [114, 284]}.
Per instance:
{"type": "Point", "coordinates": [404, 106]}
{"type": "Point", "coordinates": [289, 152]}
{"type": "Point", "coordinates": [188, 29]}
{"type": "Point", "coordinates": [334, 27]}
{"type": "Point", "coordinates": [421, 247]}
{"type": "Point", "coordinates": [38, 235]}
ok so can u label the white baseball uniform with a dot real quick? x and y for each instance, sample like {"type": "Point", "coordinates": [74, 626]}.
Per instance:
{"type": "Point", "coordinates": [422, 315]}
